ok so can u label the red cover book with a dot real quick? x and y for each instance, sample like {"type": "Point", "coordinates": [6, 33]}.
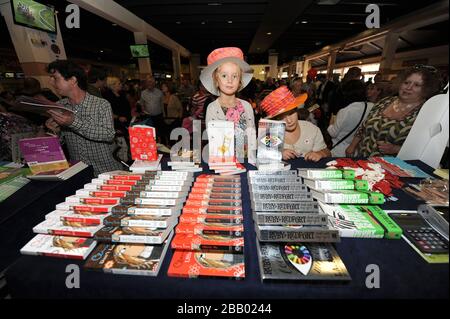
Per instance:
{"type": "Point", "coordinates": [142, 143]}
{"type": "Point", "coordinates": [208, 196]}
{"type": "Point", "coordinates": [217, 184]}
{"type": "Point", "coordinates": [210, 219]}
{"type": "Point", "coordinates": [209, 190]}
{"type": "Point", "coordinates": [212, 210]}
{"type": "Point", "coordinates": [207, 242]}
{"type": "Point", "coordinates": [212, 229]}
{"type": "Point", "coordinates": [218, 178]}
{"type": "Point", "coordinates": [214, 203]}
{"type": "Point", "coordinates": [210, 264]}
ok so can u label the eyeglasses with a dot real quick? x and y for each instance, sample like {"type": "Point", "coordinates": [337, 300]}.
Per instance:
{"type": "Point", "coordinates": [429, 68]}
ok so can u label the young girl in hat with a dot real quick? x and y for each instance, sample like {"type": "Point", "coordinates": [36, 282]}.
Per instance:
{"type": "Point", "coordinates": [302, 138]}
{"type": "Point", "coordinates": [226, 74]}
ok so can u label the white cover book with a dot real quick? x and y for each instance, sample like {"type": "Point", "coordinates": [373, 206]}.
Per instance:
{"type": "Point", "coordinates": [221, 142]}
{"type": "Point", "coordinates": [59, 246]}
{"type": "Point", "coordinates": [270, 140]}
{"type": "Point", "coordinates": [57, 227]}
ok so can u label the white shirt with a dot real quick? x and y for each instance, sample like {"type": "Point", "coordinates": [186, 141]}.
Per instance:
{"type": "Point", "coordinates": [311, 139]}
{"type": "Point", "coordinates": [346, 120]}
{"type": "Point", "coordinates": [152, 101]}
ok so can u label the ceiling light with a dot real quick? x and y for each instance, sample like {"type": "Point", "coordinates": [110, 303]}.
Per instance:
{"type": "Point", "coordinates": [269, 33]}
{"type": "Point", "coordinates": [114, 24]}
{"type": "Point", "coordinates": [351, 23]}
{"type": "Point", "coordinates": [318, 43]}
{"type": "Point", "coordinates": [229, 21]}
{"type": "Point", "coordinates": [101, 51]}
{"type": "Point", "coordinates": [203, 22]}
{"type": "Point", "coordinates": [178, 22]}
{"type": "Point", "coordinates": [304, 22]}
{"type": "Point", "coordinates": [297, 22]}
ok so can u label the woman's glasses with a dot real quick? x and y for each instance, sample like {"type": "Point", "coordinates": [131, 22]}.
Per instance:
{"type": "Point", "coordinates": [429, 68]}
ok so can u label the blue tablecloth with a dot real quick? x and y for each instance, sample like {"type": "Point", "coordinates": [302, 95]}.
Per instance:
{"type": "Point", "coordinates": [403, 273]}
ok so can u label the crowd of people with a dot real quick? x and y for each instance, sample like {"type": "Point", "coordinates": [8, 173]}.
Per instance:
{"type": "Point", "coordinates": [324, 116]}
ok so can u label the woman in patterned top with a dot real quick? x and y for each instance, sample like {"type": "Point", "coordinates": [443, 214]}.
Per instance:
{"type": "Point", "coordinates": [391, 119]}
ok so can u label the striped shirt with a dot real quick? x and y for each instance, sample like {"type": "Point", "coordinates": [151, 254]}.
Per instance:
{"type": "Point", "coordinates": [90, 137]}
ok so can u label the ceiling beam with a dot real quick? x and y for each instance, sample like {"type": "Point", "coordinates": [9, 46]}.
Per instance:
{"type": "Point", "coordinates": [115, 13]}
{"type": "Point", "coordinates": [278, 17]}
{"type": "Point", "coordinates": [432, 14]}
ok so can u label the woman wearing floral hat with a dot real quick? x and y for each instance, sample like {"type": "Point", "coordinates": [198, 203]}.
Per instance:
{"type": "Point", "coordinates": [226, 74]}
{"type": "Point", "coordinates": [302, 138]}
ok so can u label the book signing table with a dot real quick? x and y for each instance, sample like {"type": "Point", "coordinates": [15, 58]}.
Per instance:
{"type": "Point", "coordinates": [402, 272]}
{"type": "Point", "coordinates": [25, 208]}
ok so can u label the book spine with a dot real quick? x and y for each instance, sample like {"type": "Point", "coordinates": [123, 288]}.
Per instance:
{"type": "Point", "coordinates": [297, 207]}
{"type": "Point", "coordinates": [278, 188]}
{"type": "Point", "coordinates": [137, 239]}
{"type": "Point", "coordinates": [212, 210]}
{"type": "Point", "coordinates": [319, 236]}
{"type": "Point", "coordinates": [392, 230]}
{"type": "Point", "coordinates": [153, 194]}
{"type": "Point", "coordinates": [277, 173]}
{"type": "Point", "coordinates": [153, 211]}
{"type": "Point", "coordinates": [357, 233]}
{"type": "Point", "coordinates": [156, 201]}
{"type": "Point", "coordinates": [275, 180]}
{"type": "Point", "coordinates": [276, 197]}
{"type": "Point", "coordinates": [291, 219]}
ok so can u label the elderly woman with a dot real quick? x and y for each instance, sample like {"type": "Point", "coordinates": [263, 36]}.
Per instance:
{"type": "Point", "coordinates": [301, 138]}
{"type": "Point", "coordinates": [390, 121]}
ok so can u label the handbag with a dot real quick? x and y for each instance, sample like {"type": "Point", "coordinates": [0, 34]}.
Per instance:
{"type": "Point", "coordinates": [354, 129]}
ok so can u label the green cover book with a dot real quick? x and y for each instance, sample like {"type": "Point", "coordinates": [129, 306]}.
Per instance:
{"type": "Point", "coordinates": [353, 221]}
{"type": "Point", "coordinates": [392, 230]}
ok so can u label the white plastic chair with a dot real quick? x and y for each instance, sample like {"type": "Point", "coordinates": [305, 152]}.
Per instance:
{"type": "Point", "coordinates": [430, 133]}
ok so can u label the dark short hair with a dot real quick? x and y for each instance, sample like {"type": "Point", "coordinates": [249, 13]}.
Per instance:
{"type": "Point", "coordinates": [354, 91]}
{"type": "Point", "coordinates": [69, 69]}
{"type": "Point", "coordinates": [430, 78]}
{"type": "Point", "coordinates": [96, 74]}
{"type": "Point", "coordinates": [170, 87]}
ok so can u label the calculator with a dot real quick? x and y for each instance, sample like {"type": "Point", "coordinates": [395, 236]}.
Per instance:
{"type": "Point", "coordinates": [420, 233]}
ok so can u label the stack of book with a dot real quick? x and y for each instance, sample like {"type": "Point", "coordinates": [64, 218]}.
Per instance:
{"type": "Point", "coordinates": [135, 234]}
{"type": "Point", "coordinates": [209, 237]}
{"type": "Point", "coordinates": [293, 235]}
{"type": "Point", "coordinates": [11, 179]}
{"type": "Point", "coordinates": [185, 161]}
{"type": "Point", "coordinates": [222, 159]}
{"type": "Point", "coordinates": [141, 167]}
{"type": "Point", "coordinates": [351, 207]}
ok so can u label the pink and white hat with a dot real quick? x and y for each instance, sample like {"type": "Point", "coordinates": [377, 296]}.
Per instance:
{"type": "Point", "coordinates": [220, 56]}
